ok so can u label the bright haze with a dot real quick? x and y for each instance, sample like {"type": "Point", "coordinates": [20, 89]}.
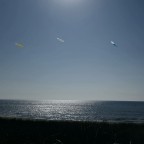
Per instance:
{"type": "Point", "coordinates": [67, 54]}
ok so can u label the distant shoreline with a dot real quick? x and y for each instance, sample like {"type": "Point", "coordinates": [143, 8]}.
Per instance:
{"type": "Point", "coordinates": [68, 132]}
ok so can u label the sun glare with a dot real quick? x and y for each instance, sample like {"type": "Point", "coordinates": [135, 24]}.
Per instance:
{"type": "Point", "coordinates": [69, 2]}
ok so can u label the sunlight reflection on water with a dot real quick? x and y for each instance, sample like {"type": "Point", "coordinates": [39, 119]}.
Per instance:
{"type": "Point", "coordinates": [74, 110]}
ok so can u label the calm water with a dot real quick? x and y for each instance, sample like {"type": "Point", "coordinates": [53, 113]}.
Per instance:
{"type": "Point", "coordinates": [74, 110]}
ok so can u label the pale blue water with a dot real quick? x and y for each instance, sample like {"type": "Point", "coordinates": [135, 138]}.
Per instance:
{"type": "Point", "coordinates": [74, 110]}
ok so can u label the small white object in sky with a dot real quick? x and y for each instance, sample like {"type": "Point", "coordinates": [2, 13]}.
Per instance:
{"type": "Point", "coordinates": [113, 43]}
{"type": "Point", "coordinates": [19, 45]}
{"type": "Point", "coordinates": [60, 40]}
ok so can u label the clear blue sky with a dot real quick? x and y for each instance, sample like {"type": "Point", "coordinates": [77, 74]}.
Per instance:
{"type": "Point", "coordinates": [86, 66]}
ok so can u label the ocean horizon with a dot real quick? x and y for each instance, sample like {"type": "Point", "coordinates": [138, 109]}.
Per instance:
{"type": "Point", "coordinates": [74, 110]}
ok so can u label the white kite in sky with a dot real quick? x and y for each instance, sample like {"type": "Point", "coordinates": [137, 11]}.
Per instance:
{"type": "Point", "coordinates": [60, 40]}
{"type": "Point", "coordinates": [113, 43]}
{"type": "Point", "coordinates": [19, 45]}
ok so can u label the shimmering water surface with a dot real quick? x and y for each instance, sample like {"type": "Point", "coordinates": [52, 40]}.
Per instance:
{"type": "Point", "coordinates": [74, 110]}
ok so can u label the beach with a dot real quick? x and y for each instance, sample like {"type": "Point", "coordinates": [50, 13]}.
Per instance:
{"type": "Point", "coordinates": [24, 131]}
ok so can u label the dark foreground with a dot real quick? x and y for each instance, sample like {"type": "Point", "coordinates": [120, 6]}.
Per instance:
{"type": "Point", "coordinates": [14, 131]}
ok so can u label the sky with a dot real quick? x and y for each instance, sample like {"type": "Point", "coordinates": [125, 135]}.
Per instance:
{"type": "Point", "coordinates": [67, 53]}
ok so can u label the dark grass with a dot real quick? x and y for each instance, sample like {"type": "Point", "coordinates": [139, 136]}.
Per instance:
{"type": "Point", "coordinates": [18, 131]}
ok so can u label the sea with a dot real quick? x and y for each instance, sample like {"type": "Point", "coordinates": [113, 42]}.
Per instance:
{"type": "Point", "coordinates": [66, 110]}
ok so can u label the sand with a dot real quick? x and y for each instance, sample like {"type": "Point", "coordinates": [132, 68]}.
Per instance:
{"type": "Point", "coordinates": [18, 131]}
